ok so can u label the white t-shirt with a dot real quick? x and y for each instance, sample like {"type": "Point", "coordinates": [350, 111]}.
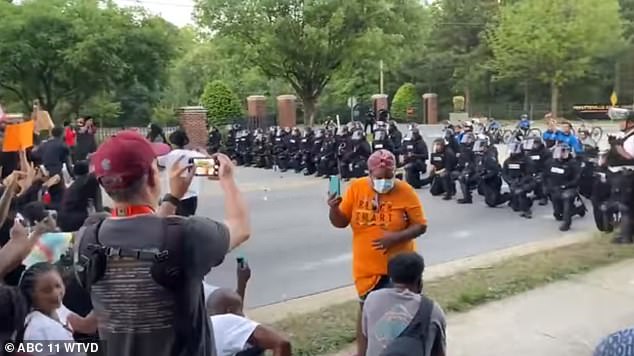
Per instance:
{"type": "Point", "coordinates": [628, 146]}
{"type": "Point", "coordinates": [168, 161]}
{"type": "Point", "coordinates": [40, 327]}
{"type": "Point", "coordinates": [231, 333]}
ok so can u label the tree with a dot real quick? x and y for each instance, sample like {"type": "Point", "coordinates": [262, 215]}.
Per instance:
{"type": "Point", "coordinates": [221, 103]}
{"type": "Point", "coordinates": [457, 53]}
{"type": "Point", "coordinates": [71, 50]}
{"type": "Point", "coordinates": [550, 40]}
{"type": "Point", "coordinates": [404, 100]}
{"type": "Point", "coordinates": [303, 42]}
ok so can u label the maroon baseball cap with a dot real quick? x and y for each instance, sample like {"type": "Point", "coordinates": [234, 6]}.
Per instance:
{"type": "Point", "coordinates": [124, 158]}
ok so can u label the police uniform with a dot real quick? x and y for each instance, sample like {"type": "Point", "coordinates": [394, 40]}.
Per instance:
{"type": "Point", "coordinates": [465, 170]}
{"type": "Point", "coordinates": [621, 171]}
{"type": "Point", "coordinates": [516, 173]}
{"type": "Point", "coordinates": [562, 179]}
{"type": "Point", "coordinates": [538, 155]}
{"type": "Point", "coordinates": [415, 158]}
{"type": "Point", "coordinates": [354, 160]}
{"type": "Point", "coordinates": [443, 162]}
{"type": "Point", "coordinates": [488, 171]}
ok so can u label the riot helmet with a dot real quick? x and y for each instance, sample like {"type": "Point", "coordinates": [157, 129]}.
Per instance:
{"type": "Point", "coordinates": [308, 132]}
{"type": "Point", "coordinates": [438, 146]}
{"type": "Point", "coordinates": [515, 148]}
{"type": "Point", "coordinates": [480, 146]}
{"type": "Point", "coordinates": [287, 130]}
{"type": "Point", "coordinates": [467, 126]}
{"type": "Point", "coordinates": [380, 135]}
{"type": "Point", "coordinates": [279, 132]}
{"type": "Point", "coordinates": [295, 132]}
{"type": "Point", "coordinates": [343, 131]}
{"type": "Point", "coordinates": [562, 152]}
{"type": "Point", "coordinates": [533, 144]}
{"type": "Point", "coordinates": [467, 139]}
{"type": "Point", "coordinates": [319, 133]}
{"type": "Point", "coordinates": [358, 135]}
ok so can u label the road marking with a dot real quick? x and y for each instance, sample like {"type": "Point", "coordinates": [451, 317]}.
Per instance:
{"type": "Point", "coordinates": [346, 257]}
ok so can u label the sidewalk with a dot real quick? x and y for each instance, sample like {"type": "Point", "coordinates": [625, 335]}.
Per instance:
{"type": "Point", "coordinates": [567, 318]}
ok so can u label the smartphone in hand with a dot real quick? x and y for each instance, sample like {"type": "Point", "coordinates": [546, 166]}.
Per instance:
{"type": "Point", "coordinates": [205, 167]}
{"type": "Point", "coordinates": [335, 186]}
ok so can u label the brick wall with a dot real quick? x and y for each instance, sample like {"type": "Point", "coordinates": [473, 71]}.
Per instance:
{"type": "Point", "coordinates": [194, 120]}
{"type": "Point", "coordinates": [430, 108]}
{"type": "Point", "coordinates": [287, 110]}
{"type": "Point", "coordinates": [256, 105]}
{"type": "Point", "coordinates": [379, 102]}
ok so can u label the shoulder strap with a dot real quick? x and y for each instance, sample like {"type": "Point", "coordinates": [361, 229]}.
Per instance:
{"type": "Point", "coordinates": [169, 269]}
{"type": "Point", "coordinates": [420, 323]}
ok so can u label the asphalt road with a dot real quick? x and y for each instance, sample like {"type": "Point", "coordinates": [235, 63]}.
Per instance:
{"type": "Point", "coordinates": [294, 251]}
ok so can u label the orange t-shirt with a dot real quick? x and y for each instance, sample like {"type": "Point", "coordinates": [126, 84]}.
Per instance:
{"type": "Point", "coordinates": [371, 215]}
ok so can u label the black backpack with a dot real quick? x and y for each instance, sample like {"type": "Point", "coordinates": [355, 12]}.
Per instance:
{"type": "Point", "coordinates": [411, 342]}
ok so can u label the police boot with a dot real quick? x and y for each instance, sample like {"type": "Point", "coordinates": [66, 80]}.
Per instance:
{"type": "Point", "coordinates": [624, 236]}
{"type": "Point", "coordinates": [527, 214]}
{"type": "Point", "coordinates": [466, 194]}
{"type": "Point", "coordinates": [567, 217]}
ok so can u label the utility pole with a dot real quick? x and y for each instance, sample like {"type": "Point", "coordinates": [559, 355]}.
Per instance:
{"type": "Point", "coordinates": [381, 76]}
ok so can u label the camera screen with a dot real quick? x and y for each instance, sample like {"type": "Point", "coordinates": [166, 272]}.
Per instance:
{"type": "Point", "coordinates": [205, 167]}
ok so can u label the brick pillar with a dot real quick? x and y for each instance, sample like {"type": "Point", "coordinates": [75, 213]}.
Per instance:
{"type": "Point", "coordinates": [256, 105]}
{"type": "Point", "coordinates": [286, 110]}
{"type": "Point", "coordinates": [430, 108]}
{"type": "Point", "coordinates": [194, 120]}
{"type": "Point", "coordinates": [379, 102]}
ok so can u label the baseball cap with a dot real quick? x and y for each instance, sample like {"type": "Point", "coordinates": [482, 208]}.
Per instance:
{"type": "Point", "coordinates": [124, 158]}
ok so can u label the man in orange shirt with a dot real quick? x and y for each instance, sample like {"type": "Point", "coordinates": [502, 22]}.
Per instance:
{"type": "Point", "coordinates": [385, 215]}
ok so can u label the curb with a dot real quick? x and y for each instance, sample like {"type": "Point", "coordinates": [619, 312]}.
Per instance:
{"type": "Point", "coordinates": [274, 312]}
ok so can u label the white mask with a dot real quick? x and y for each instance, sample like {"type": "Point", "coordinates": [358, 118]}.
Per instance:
{"type": "Point", "coordinates": [383, 186]}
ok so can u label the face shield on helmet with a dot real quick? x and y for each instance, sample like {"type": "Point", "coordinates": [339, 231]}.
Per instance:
{"type": "Point", "coordinates": [343, 131]}
{"type": "Point", "coordinates": [529, 144]}
{"type": "Point", "coordinates": [467, 139]}
{"type": "Point", "coordinates": [380, 135]}
{"type": "Point", "coordinates": [296, 132]}
{"type": "Point", "coordinates": [319, 133]}
{"type": "Point", "coordinates": [561, 152]}
{"type": "Point", "coordinates": [438, 146]}
{"type": "Point", "coordinates": [357, 135]}
{"type": "Point", "coordinates": [308, 132]}
{"type": "Point", "coordinates": [480, 146]}
{"type": "Point", "coordinates": [515, 148]}
{"type": "Point", "coordinates": [279, 132]}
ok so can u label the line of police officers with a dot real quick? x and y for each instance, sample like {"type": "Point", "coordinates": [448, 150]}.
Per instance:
{"type": "Point", "coordinates": [535, 170]}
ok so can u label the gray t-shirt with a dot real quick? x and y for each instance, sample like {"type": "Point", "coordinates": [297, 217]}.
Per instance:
{"type": "Point", "coordinates": [387, 312]}
{"type": "Point", "coordinates": [137, 316]}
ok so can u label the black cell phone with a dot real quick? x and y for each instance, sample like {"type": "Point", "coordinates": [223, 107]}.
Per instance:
{"type": "Point", "coordinates": [205, 167]}
{"type": "Point", "coordinates": [241, 262]}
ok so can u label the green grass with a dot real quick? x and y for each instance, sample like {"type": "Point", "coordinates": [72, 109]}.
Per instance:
{"type": "Point", "coordinates": [333, 328]}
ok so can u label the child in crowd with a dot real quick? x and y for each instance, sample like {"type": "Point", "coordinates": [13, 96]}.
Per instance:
{"type": "Point", "coordinates": [48, 319]}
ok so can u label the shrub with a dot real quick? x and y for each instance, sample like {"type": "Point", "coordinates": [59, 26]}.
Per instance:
{"type": "Point", "coordinates": [221, 103]}
{"type": "Point", "coordinates": [405, 99]}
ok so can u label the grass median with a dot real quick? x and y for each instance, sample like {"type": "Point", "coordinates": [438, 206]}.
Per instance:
{"type": "Point", "coordinates": [333, 328]}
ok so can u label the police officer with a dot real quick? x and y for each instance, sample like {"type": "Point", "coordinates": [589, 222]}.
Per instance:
{"type": "Point", "coordinates": [465, 170]}
{"type": "Point", "coordinates": [415, 155]}
{"type": "Point", "coordinates": [214, 139]}
{"type": "Point", "coordinates": [354, 161]}
{"type": "Point", "coordinates": [280, 154]}
{"type": "Point", "coordinates": [443, 162]}
{"type": "Point", "coordinates": [396, 137]}
{"type": "Point", "coordinates": [562, 179]}
{"type": "Point", "coordinates": [620, 162]}
{"type": "Point", "coordinates": [327, 161]}
{"type": "Point", "coordinates": [603, 209]}
{"type": "Point", "coordinates": [538, 155]}
{"type": "Point", "coordinates": [488, 171]}
{"type": "Point", "coordinates": [261, 154]}
{"type": "Point", "coordinates": [381, 140]}
{"type": "Point", "coordinates": [311, 162]}
{"type": "Point", "coordinates": [293, 143]}
{"type": "Point", "coordinates": [516, 173]}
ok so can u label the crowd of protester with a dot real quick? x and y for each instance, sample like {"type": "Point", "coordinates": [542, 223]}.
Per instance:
{"type": "Point", "coordinates": [130, 274]}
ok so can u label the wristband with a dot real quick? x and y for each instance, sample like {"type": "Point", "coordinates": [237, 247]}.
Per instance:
{"type": "Point", "coordinates": [169, 198]}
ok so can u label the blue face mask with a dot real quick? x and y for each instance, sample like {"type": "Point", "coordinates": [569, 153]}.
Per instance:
{"type": "Point", "coordinates": [382, 186]}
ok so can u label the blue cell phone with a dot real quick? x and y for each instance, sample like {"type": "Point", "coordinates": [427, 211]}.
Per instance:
{"type": "Point", "coordinates": [335, 186]}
